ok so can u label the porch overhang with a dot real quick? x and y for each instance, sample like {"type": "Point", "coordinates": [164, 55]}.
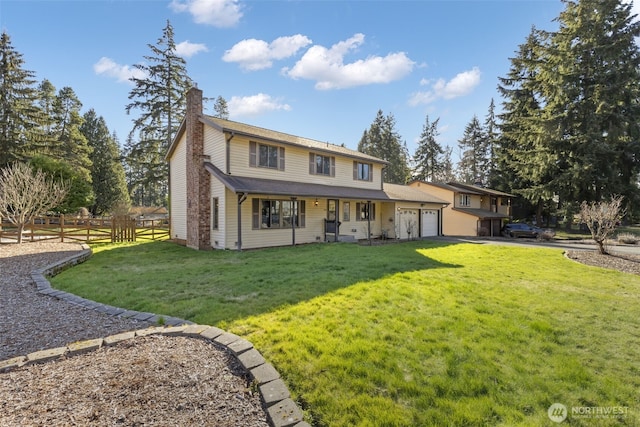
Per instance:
{"type": "Point", "coordinates": [481, 213]}
{"type": "Point", "coordinates": [249, 185]}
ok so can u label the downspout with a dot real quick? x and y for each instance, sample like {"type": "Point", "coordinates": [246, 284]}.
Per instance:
{"type": "Point", "coordinates": [241, 198]}
{"type": "Point", "coordinates": [228, 153]}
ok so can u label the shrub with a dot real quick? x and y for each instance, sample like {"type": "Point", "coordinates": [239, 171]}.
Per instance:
{"type": "Point", "coordinates": [628, 238]}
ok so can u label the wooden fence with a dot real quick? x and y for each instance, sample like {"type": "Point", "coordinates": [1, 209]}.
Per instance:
{"type": "Point", "coordinates": [97, 230]}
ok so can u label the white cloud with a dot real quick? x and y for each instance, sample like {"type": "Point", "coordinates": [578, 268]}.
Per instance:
{"type": "Point", "coordinates": [253, 54]}
{"type": "Point", "coordinates": [255, 105]}
{"type": "Point", "coordinates": [219, 13]}
{"type": "Point", "coordinates": [122, 73]}
{"type": "Point", "coordinates": [327, 66]}
{"type": "Point", "coordinates": [462, 84]}
{"type": "Point", "coordinates": [186, 49]}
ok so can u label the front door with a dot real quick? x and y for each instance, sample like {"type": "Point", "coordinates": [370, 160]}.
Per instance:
{"type": "Point", "coordinates": [332, 218]}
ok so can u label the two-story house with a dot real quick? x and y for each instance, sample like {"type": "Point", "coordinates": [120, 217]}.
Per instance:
{"type": "Point", "coordinates": [235, 186]}
{"type": "Point", "coordinates": [473, 210]}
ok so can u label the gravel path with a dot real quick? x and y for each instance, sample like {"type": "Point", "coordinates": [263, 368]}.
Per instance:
{"type": "Point", "coordinates": [154, 380]}
{"type": "Point", "coordinates": [30, 321]}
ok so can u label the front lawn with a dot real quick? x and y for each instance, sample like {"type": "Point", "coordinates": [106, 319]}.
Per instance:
{"type": "Point", "coordinates": [419, 333]}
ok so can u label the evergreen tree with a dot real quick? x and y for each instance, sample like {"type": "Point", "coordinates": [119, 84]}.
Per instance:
{"type": "Point", "coordinates": [429, 155]}
{"type": "Point", "coordinates": [491, 135]}
{"type": "Point", "coordinates": [447, 174]}
{"type": "Point", "coordinates": [570, 128]}
{"type": "Point", "coordinates": [47, 102]}
{"type": "Point", "coordinates": [383, 141]}
{"type": "Point", "coordinates": [526, 166]}
{"type": "Point", "coordinates": [591, 83]}
{"type": "Point", "coordinates": [473, 164]}
{"type": "Point", "coordinates": [134, 169]}
{"type": "Point", "coordinates": [107, 174]}
{"type": "Point", "coordinates": [221, 108]}
{"type": "Point", "coordinates": [80, 193]}
{"type": "Point", "coordinates": [160, 97]}
{"type": "Point", "coordinates": [71, 145]}
{"type": "Point", "coordinates": [20, 116]}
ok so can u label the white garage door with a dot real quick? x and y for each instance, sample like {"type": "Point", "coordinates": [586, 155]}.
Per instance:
{"type": "Point", "coordinates": [429, 222]}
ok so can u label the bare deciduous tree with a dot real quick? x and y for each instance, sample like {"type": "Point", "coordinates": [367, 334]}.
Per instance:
{"type": "Point", "coordinates": [602, 218]}
{"type": "Point", "coordinates": [25, 194]}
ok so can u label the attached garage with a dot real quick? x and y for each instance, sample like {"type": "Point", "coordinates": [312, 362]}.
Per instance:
{"type": "Point", "coordinates": [429, 222]}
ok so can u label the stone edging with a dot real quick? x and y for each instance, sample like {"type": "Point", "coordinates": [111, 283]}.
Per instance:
{"type": "Point", "coordinates": [281, 410]}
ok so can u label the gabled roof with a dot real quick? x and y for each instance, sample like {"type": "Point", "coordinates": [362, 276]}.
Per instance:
{"type": "Point", "coordinates": [285, 138]}
{"type": "Point", "coordinates": [256, 132]}
{"type": "Point", "coordinates": [458, 187]}
{"type": "Point", "coordinates": [390, 192]}
{"type": "Point", "coordinates": [482, 190]}
{"type": "Point", "coordinates": [410, 194]}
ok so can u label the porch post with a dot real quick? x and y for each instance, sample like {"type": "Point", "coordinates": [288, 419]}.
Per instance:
{"type": "Point", "coordinates": [241, 198]}
{"type": "Point", "coordinates": [294, 217]}
{"type": "Point", "coordinates": [369, 221]}
{"type": "Point", "coordinates": [336, 236]}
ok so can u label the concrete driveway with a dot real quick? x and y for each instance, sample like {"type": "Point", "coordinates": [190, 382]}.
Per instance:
{"type": "Point", "coordinates": [580, 245]}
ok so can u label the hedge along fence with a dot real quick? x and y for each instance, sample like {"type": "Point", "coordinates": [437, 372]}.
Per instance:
{"type": "Point", "coordinates": [72, 228]}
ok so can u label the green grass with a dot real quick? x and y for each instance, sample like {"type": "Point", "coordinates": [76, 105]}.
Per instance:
{"type": "Point", "coordinates": [419, 333]}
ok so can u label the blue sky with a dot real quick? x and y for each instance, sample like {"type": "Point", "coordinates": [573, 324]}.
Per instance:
{"type": "Point", "coordinates": [318, 69]}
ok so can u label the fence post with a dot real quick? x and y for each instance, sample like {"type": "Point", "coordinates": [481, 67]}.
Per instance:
{"type": "Point", "coordinates": [62, 228]}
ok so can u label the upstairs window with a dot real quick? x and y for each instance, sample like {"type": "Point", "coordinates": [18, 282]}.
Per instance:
{"type": "Point", "coordinates": [362, 171]}
{"type": "Point", "coordinates": [266, 156]}
{"type": "Point", "coordinates": [320, 164]}
{"type": "Point", "coordinates": [465, 200]}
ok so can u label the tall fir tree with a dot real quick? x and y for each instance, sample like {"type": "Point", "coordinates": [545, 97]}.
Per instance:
{"type": "Point", "coordinates": [473, 164]}
{"type": "Point", "coordinates": [20, 117]}
{"type": "Point", "coordinates": [491, 135]}
{"type": "Point", "coordinates": [107, 173]}
{"type": "Point", "coordinates": [220, 108]}
{"type": "Point", "coordinates": [429, 155]}
{"type": "Point", "coordinates": [590, 80]}
{"type": "Point", "coordinates": [160, 98]}
{"type": "Point", "coordinates": [570, 127]}
{"type": "Point", "coordinates": [382, 140]}
{"type": "Point", "coordinates": [134, 170]}
{"type": "Point", "coordinates": [71, 145]}
{"type": "Point", "coordinates": [47, 102]}
{"type": "Point", "coordinates": [526, 165]}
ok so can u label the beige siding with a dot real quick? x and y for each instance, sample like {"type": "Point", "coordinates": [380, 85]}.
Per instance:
{"type": "Point", "coordinates": [214, 147]}
{"type": "Point", "coordinates": [178, 191]}
{"type": "Point", "coordinates": [297, 167]}
{"type": "Point", "coordinates": [354, 227]}
{"type": "Point", "coordinates": [311, 233]}
{"type": "Point", "coordinates": [454, 223]}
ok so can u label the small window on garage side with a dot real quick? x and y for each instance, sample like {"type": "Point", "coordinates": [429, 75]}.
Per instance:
{"type": "Point", "coordinates": [215, 213]}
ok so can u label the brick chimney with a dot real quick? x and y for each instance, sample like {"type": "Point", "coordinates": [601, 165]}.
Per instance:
{"type": "Point", "coordinates": [198, 179]}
